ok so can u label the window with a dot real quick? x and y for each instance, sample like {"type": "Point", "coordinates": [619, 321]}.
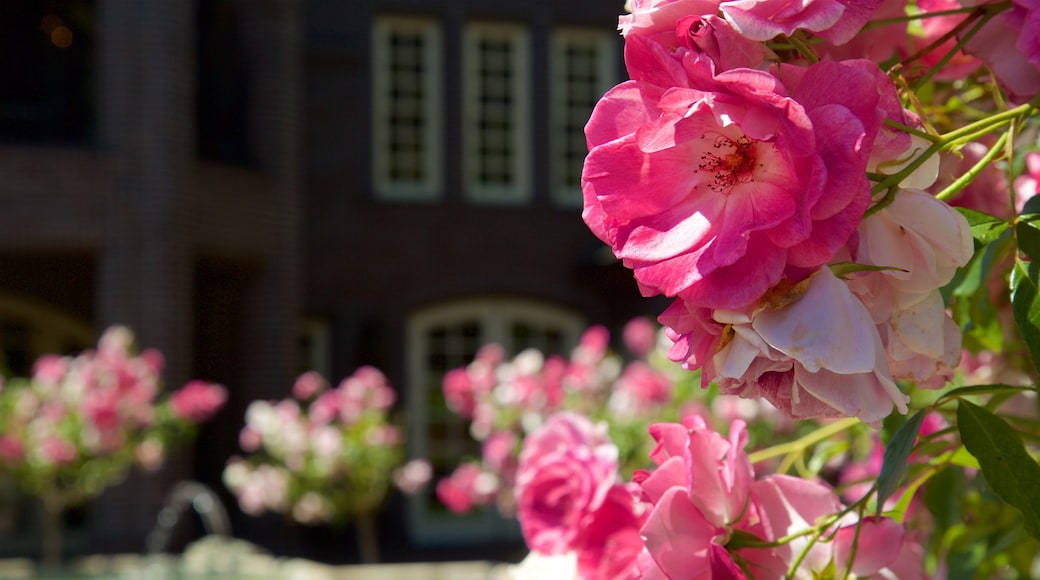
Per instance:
{"type": "Point", "coordinates": [47, 55]}
{"type": "Point", "coordinates": [407, 107]}
{"type": "Point", "coordinates": [583, 68]}
{"type": "Point", "coordinates": [496, 135]}
{"type": "Point", "coordinates": [447, 337]}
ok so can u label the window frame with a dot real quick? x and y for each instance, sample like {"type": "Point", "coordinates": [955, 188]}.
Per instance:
{"type": "Point", "coordinates": [428, 522]}
{"type": "Point", "coordinates": [519, 189]}
{"type": "Point", "coordinates": [566, 192]}
{"type": "Point", "coordinates": [432, 110]}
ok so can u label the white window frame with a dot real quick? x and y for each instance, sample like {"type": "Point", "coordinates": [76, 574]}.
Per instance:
{"type": "Point", "coordinates": [518, 115]}
{"type": "Point", "coordinates": [566, 191]}
{"type": "Point", "coordinates": [429, 523]}
{"type": "Point", "coordinates": [386, 186]}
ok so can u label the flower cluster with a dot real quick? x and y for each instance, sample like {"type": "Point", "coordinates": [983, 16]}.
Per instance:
{"type": "Point", "coordinates": [761, 168]}
{"type": "Point", "coordinates": [323, 455]}
{"type": "Point", "coordinates": [506, 399]}
{"type": "Point", "coordinates": [79, 423]}
{"type": "Point", "coordinates": [837, 196]}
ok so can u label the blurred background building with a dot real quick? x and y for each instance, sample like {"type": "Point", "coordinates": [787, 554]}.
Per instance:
{"type": "Point", "coordinates": [258, 187]}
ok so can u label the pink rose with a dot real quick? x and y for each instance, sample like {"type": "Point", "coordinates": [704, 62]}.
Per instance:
{"type": "Point", "coordinates": [609, 544]}
{"type": "Point", "coordinates": [714, 188]}
{"type": "Point", "coordinates": [308, 385]}
{"type": "Point", "coordinates": [567, 468]}
{"type": "Point", "coordinates": [198, 401]}
{"type": "Point", "coordinates": [876, 543]}
{"type": "Point", "coordinates": [698, 493]}
{"type": "Point", "coordinates": [837, 21]}
{"type": "Point", "coordinates": [466, 487]}
{"type": "Point", "coordinates": [1010, 45]}
{"type": "Point", "coordinates": [640, 336]}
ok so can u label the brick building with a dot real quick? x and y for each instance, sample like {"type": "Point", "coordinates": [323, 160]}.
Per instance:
{"type": "Point", "coordinates": [258, 187]}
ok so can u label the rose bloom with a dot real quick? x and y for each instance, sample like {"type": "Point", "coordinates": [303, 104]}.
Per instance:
{"type": "Point", "coordinates": [198, 401]}
{"type": "Point", "coordinates": [713, 188]}
{"type": "Point", "coordinates": [1010, 45]}
{"type": "Point", "coordinates": [812, 352]}
{"type": "Point", "coordinates": [567, 468]}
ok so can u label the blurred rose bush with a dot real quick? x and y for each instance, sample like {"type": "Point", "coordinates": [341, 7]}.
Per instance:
{"type": "Point", "coordinates": [323, 455]}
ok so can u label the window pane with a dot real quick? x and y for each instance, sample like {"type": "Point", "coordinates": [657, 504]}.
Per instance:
{"type": "Point", "coordinates": [496, 109]}
{"type": "Point", "coordinates": [406, 106]}
{"type": "Point", "coordinates": [582, 70]}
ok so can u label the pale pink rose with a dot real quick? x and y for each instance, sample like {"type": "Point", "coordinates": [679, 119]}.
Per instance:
{"type": "Point", "coordinates": [922, 238]}
{"type": "Point", "coordinates": [837, 21]}
{"type": "Point", "coordinates": [198, 401]}
{"type": "Point", "coordinates": [311, 508]}
{"type": "Point", "coordinates": [249, 439]}
{"type": "Point", "coordinates": [567, 468]}
{"type": "Point", "coordinates": [56, 450]}
{"type": "Point", "coordinates": [878, 43]}
{"type": "Point", "coordinates": [413, 476]}
{"type": "Point", "coordinates": [150, 454]}
{"type": "Point", "coordinates": [12, 449]}
{"type": "Point", "coordinates": [640, 390]}
{"type": "Point", "coordinates": [499, 453]}
{"type": "Point", "coordinates": [924, 241]}
{"type": "Point", "coordinates": [878, 542]}
{"type": "Point", "coordinates": [776, 185]}
{"type": "Point", "coordinates": [961, 65]}
{"type": "Point", "coordinates": [639, 336]}
{"type": "Point", "coordinates": [787, 505]}
{"type": "Point", "coordinates": [459, 393]}
{"type": "Point", "coordinates": [698, 492]}
{"type": "Point", "coordinates": [789, 356]}
{"type": "Point", "coordinates": [367, 388]}
{"type": "Point", "coordinates": [466, 487]}
{"type": "Point", "coordinates": [1010, 45]}
{"type": "Point", "coordinates": [325, 408]}
{"type": "Point", "coordinates": [1025, 185]}
{"type": "Point", "coordinates": [50, 369]}
{"type": "Point", "coordinates": [648, 17]}
{"type": "Point", "coordinates": [308, 385]}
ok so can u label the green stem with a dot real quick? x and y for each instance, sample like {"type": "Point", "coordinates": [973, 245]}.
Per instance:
{"type": "Point", "coordinates": [803, 48]}
{"type": "Point", "coordinates": [804, 442]}
{"type": "Point", "coordinates": [964, 180]}
{"type": "Point", "coordinates": [925, 15]}
{"type": "Point", "coordinates": [949, 140]}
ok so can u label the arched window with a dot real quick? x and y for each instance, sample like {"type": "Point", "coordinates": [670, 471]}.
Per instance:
{"type": "Point", "coordinates": [448, 336]}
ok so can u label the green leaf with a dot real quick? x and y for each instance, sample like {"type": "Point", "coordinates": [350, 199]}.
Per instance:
{"type": "Point", "coordinates": [942, 497]}
{"type": "Point", "coordinates": [1027, 231]}
{"type": "Point", "coordinates": [981, 390]}
{"type": "Point", "coordinates": [893, 465]}
{"type": "Point", "coordinates": [1009, 469]}
{"type": "Point", "coordinates": [1025, 303]}
{"type": "Point", "coordinates": [1032, 205]}
{"type": "Point", "coordinates": [984, 227]}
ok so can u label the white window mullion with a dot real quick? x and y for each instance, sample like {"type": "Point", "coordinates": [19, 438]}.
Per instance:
{"type": "Point", "coordinates": [406, 102]}
{"type": "Point", "coordinates": [582, 68]}
{"type": "Point", "coordinates": [496, 113]}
